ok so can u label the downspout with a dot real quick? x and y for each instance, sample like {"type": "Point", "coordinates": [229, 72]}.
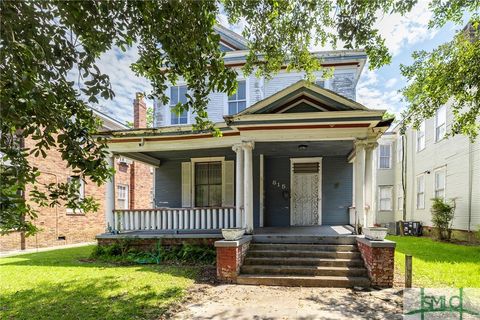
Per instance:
{"type": "Point", "coordinates": [470, 184]}
{"type": "Point", "coordinates": [404, 174]}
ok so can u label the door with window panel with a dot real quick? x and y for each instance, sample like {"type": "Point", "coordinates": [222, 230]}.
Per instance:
{"type": "Point", "coordinates": [208, 184]}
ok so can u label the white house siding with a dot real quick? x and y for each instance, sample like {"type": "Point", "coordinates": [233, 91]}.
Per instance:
{"type": "Point", "coordinates": [452, 153]}
{"type": "Point", "coordinates": [342, 82]}
{"type": "Point", "coordinates": [386, 177]}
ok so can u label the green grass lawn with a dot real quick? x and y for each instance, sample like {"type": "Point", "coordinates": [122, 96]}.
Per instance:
{"type": "Point", "coordinates": [439, 264]}
{"type": "Point", "coordinates": [58, 285]}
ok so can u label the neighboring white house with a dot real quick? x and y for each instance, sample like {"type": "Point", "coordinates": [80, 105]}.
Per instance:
{"type": "Point", "coordinates": [436, 166]}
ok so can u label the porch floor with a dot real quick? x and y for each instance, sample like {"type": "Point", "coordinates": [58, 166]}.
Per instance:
{"type": "Point", "coordinates": [306, 231]}
{"type": "Point", "coordinates": [324, 231]}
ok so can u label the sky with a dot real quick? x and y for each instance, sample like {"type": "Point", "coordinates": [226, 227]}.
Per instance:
{"type": "Point", "coordinates": [377, 89]}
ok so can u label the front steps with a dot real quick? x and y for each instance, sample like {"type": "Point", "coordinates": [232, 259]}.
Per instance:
{"type": "Point", "coordinates": [310, 262]}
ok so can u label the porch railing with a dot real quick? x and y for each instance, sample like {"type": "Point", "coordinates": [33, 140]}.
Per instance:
{"type": "Point", "coordinates": [175, 219]}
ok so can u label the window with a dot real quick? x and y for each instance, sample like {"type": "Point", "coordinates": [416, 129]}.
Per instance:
{"type": "Point", "coordinates": [77, 180]}
{"type": "Point", "coordinates": [122, 196]}
{"type": "Point", "coordinates": [178, 95]}
{"type": "Point", "coordinates": [440, 183]}
{"type": "Point", "coordinates": [440, 123]}
{"type": "Point", "coordinates": [399, 148]}
{"type": "Point", "coordinates": [238, 101]}
{"type": "Point", "coordinates": [421, 192]}
{"type": "Point", "coordinates": [208, 184]}
{"type": "Point", "coordinates": [385, 198]}
{"type": "Point", "coordinates": [320, 83]}
{"type": "Point", "coordinates": [384, 155]}
{"type": "Point", "coordinates": [421, 137]}
{"type": "Point", "coordinates": [399, 197]}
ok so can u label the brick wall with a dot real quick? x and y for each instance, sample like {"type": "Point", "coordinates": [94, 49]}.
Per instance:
{"type": "Point", "coordinates": [229, 260]}
{"type": "Point", "coordinates": [148, 244]}
{"type": "Point", "coordinates": [59, 225]}
{"type": "Point", "coordinates": [379, 261]}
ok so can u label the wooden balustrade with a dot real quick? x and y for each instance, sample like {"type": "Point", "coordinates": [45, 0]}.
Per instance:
{"type": "Point", "coordinates": [175, 219]}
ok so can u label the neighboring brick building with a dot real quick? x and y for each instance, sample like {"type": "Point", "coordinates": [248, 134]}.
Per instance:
{"type": "Point", "coordinates": [60, 225]}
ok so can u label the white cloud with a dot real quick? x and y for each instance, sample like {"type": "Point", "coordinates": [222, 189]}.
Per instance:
{"type": "Point", "coordinates": [400, 31]}
{"type": "Point", "coordinates": [391, 82]}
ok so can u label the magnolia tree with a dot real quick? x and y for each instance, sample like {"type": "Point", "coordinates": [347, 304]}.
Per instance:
{"type": "Point", "coordinates": [42, 43]}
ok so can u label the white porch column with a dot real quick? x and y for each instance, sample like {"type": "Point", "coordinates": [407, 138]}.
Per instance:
{"type": "Point", "coordinates": [369, 184]}
{"type": "Point", "coordinates": [110, 197]}
{"type": "Point", "coordinates": [239, 191]}
{"type": "Point", "coordinates": [360, 183]}
{"type": "Point", "coordinates": [248, 185]}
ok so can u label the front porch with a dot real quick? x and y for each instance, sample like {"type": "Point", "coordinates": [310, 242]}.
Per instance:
{"type": "Point", "coordinates": [301, 157]}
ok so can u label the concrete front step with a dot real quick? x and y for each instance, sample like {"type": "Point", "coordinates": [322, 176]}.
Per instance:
{"type": "Point", "coordinates": [303, 281]}
{"type": "Point", "coordinates": [302, 261]}
{"type": "Point", "coordinates": [304, 270]}
{"type": "Point", "coordinates": [304, 253]}
{"type": "Point", "coordinates": [304, 247]}
{"type": "Point", "coordinates": [345, 239]}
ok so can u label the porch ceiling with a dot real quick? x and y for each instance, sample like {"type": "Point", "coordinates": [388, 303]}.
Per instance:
{"type": "Point", "coordinates": [290, 149]}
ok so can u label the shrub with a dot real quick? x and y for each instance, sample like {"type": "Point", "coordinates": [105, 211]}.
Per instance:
{"type": "Point", "coordinates": [186, 253]}
{"type": "Point", "coordinates": [442, 217]}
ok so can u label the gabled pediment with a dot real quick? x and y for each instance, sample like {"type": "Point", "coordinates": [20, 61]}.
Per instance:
{"type": "Point", "coordinates": [303, 97]}
{"type": "Point", "coordinates": [229, 40]}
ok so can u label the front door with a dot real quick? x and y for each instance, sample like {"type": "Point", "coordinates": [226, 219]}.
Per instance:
{"type": "Point", "coordinates": [306, 192]}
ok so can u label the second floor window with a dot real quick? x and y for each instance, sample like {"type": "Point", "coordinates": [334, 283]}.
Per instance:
{"type": "Point", "coordinates": [238, 101]}
{"type": "Point", "coordinates": [440, 123]}
{"type": "Point", "coordinates": [399, 149]}
{"type": "Point", "coordinates": [178, 94]}
{"type": "Point", "coordinates": [421, 137]}
{"type": "Point", "coordinates": [384, 156]}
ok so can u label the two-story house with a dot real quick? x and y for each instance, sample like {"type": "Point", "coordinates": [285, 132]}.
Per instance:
{"type": "Point", "coordinates": [433, 166]}
{"type": "Point", "coordinates": [295, 163]}
{"type": "Point", "coordinates": [292, 153]}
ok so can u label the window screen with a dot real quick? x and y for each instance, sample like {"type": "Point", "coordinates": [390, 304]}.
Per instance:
{"type": "Point", "coordinates": [208, 184]}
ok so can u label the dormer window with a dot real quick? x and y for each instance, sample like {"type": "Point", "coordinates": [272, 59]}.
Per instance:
{"type": "Point", "coordinates": [238, 101]}
{"type": "Point", "coordinates": [178, 94]}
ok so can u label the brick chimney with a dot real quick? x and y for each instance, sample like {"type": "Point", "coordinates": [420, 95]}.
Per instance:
{"type": "Point", "coordinates": [139, 121]}
{"type": "Point", "coordinates": [139, 111]}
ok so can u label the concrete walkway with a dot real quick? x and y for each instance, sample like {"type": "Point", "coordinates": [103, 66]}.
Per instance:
{"type": "Point", "coordinates": [263, 302]}
{"type": "Point", "coordinates": [35, 250]}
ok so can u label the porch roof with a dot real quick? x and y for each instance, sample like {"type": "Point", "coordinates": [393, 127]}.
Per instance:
{"type": "Point", "coordinates": [330, 117]}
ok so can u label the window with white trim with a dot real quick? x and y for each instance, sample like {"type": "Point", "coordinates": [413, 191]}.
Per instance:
{"type": "Point", "coordinates": [421, 137]}
{"type": "Point", "coordinates": [178, 94]}
{"type": "Point", "coordinates": [385, 198]}
{"type": "Point", "coordinates": [399, 148]}
{"type": "Point", "coordinates": [385, 156]}
{"type": "Point", "coordinates": [420, 187]}
{"type": "Point", "coordinates": [122, 196]}
{"type": "Point", "coordinates": [81, 186]}
{"type": "Point", "coordinates": [440, 179]}
{"type": "Point", "coordinates": [208, 184]}
{"type": "Point", "coordinates": [399, 197]}
{"type": "Point", "coordinates": [440, 123]}
{"type": "Point", "coordinates": [238, 101]}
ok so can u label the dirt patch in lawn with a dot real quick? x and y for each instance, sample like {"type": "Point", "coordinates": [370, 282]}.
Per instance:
{"type": "Point", "coordinates": [206, 301]}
